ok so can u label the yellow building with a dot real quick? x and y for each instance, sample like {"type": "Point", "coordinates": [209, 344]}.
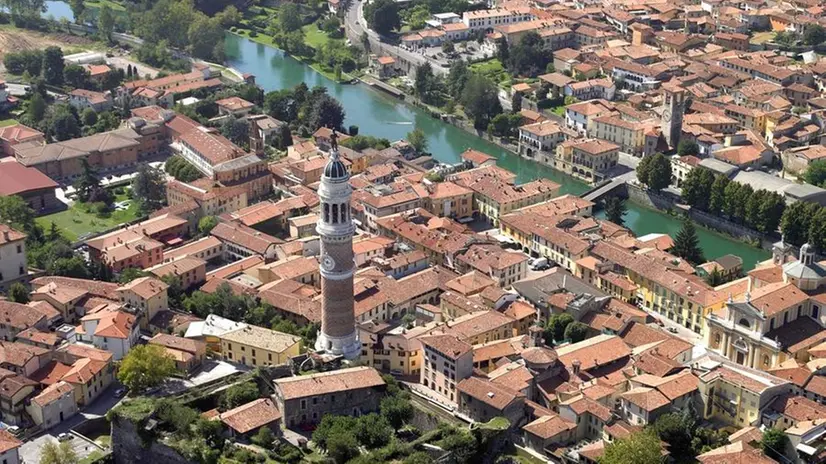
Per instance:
{"type": "Point", "coordinates": [735, 395]}
{"type": "Point", "coordinates": [256, 346]}
{"type": "Point", "coordinates": [449, 200]}
{"type": "Point", "coordinates": [494, 197]}
{"type": "Point", "coordinates": [147, 295]}
{"type": "Point", "coordinates": [630, 136]}
{"type": "Point", "coordinates": [685, 299]}
{"type": "Point", "coordinates": [480, 327]}
{"type": "Point", "coordinates": [588, 159]}
{"type": "Point", "coordinates": [398, 351]}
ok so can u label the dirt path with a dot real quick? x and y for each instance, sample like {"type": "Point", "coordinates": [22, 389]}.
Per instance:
{"type": "Point", "coordinates": [12, 39]}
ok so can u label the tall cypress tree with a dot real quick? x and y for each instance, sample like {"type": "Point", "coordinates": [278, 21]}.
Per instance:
{"type": "Point", "coordinates": [687, 245]}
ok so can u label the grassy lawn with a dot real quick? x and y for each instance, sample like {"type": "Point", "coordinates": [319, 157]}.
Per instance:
{"type": "Point", "coordinates": [99, 4]}
{"type": "Point", "coordinates": [493, 70]}
{"type": "Point", "coordinates": [762, 37]}
{"type": "Point", "coordinates": [76, 221]}
{"type": "Point", "coordinates": [559, 111]}
{"type": "Point", "coordinates": [7, 122]}
{"type": "Point", "coordinates": [315, 37]}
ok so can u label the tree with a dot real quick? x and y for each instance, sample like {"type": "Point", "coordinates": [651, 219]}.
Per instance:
{"type": "Point", "coordinates": [230, 16]}
{"type": "Point", "coordinates": [688, 147]}
{"type": "Point", "coordinates": [796, 221]}
{"type": "Point", "coordinates": [326, 112]}
{"type": "Point", "coordinates": [655, 171]}
{"type": "Point", "coordinates": [15, 211]}
{"type": "Point", "coordinates": [426, 86]}
{"type": "Point", "coordinates": [89, 117]}
{"type": "Point", "coordinates": [696, 186]}
{"type": "Point", "coordinates": [206, 224]}
{"type": "Point", "coordinates": [462, 444]}
{"type": "Point", "coordinates": [78, 8]}
{"type": "Point", "coordinates": [76, 76]}
{"type": "Point", "coordinates": [149, 188]}
{"type": "Point", "coordinates": [717, 198]}
{"type": "Point", "coordinates": [204, 35]}
{"type": "Point", "coordinates": [289, 17]}
{"type": "Point", "coordinates": [516, 102]}
{"type": "Point", "coordinates": [36, 109]}
{"type": "Point", "coordinates": [676, 430]}
{"type": "Point", "coordinates": [576, 332]}
{"type": "Point", "coordinates": [88, 182]}
{"type": "Point", "coordinates": [640, 448]}
{"type": "Point", "coordinates": [817, 230]}
{"type": "Point", "coordinates": [383, 16]}
{"type": "Point", "coordinates": [502, 50]}
{"type": "Point", "coordinates": [62, 123]}
{"type": "Point", "coordinates": [264, 438]}
{"type": "Point", "coordinates": [715, 277]}
{"type": "Point", "coordinates": [145, 366]}
{"type": "Point", "coordinates": [373, 431]}
{"type": "Point", "coordinates": [397, 410]}
{"type": "Point", "coordinates": [816, 173]}
{"type": "Point", "coordinates": [774, 444]}
{"type": "Point", "coordinates": [342, 447]}
{"type": "Point", "coordinates": [236, 130]}
{"type": "Point", "coordinates": [129, 274]}
{"type": "Point", "coordinates": [418, 140]}
{"type": "Point", "coordinates": [240, 394]}
{"type": "Point", "coordinates": [448, 47]}
{"type": "Point", "coordinates": [53, 453]}
{"type": "Point", "coordinates": [529, 56]}
{"type": "Point", "coordinates": [74, 266]}
{"type": "Point", "coordinates": [481, 101]}
{"type": "Point", "coordinates": [687, 245]}
{"type": "Point", "coordinates": [18, 293]}
{"type": "Point", "coordinates": [555, 328]}
{"type": "Point", "coordinates": [53, 65]}
{"type": "Point", "coordinates": [814, 34]}
{"type": "Point", "coordinates": [615, 210]}
{"type": "Point", "coordinates": [175, 291]}
{"type": "Point", "coordinates": [106, 23]}
{"type": "Point", "coordinates": [419, 457]}
{"type": "Point", "coordinates": [457, 78]}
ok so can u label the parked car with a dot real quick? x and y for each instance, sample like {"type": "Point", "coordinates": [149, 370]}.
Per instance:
{"type": "Point", "coordinates": [120, 393]}
{"type": "Point", "coordinates": [14, 430]}
{"type": "Point", "coordinates": [672, 330]}
{"type": "Point", "coordinates": [540, 262]}
{"type": "Point", "coordinates": [65, 437]}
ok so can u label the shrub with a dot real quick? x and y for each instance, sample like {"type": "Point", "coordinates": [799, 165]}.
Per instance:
{"type": "Point", "coordinates": [253, 34]}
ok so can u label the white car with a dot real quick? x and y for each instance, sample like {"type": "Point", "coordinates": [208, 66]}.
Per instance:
{"type": "Point", "coordinates": [65, 437]}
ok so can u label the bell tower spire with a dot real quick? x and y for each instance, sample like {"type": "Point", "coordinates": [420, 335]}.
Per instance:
{"type": "Point", "coordinates": [338, 333]}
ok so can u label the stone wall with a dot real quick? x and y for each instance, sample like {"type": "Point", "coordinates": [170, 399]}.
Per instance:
{"type": "Point", "coordinates": [129, 448]}
{"type": "Point", "coordinates": [664, 201]}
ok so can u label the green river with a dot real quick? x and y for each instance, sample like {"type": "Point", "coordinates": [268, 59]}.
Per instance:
{"type": "Point", "coordinates": [381, 115]}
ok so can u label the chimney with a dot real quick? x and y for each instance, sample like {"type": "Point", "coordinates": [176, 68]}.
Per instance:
{"type": "Point", "coordinates": [6, 235]}
{"type": "Point", "coordinates": [575, 365]}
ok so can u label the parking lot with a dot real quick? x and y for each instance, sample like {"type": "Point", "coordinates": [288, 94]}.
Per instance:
{"type": "Point", "coordinates": [31, 450]}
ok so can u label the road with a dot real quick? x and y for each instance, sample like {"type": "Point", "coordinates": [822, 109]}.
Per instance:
{"type": "Point", "coordinates": [122, 62]}
{"type": "Point", "coordinates": [355, 23]}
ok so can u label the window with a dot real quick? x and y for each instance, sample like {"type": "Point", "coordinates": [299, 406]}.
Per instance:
{"type": "Point", "coordinates": [303, 404]}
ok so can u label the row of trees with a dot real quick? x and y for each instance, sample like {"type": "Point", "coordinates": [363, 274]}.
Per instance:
{"type": "Point", "coordinates": [527, 58]}
{"type": "Point", "coordinates": [761, 210]}
{"type": "Point", "coordinates": [562, 327]}
{"type": "Point", "coordinates": [180, 25]}
{"type": "Point", "coordinates": [804, 222]}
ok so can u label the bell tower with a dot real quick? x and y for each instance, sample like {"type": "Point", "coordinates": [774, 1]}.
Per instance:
{"type": "Point", "coordinates": [674, 102]}
{"type": "Point", "coordinates": [338, 333]}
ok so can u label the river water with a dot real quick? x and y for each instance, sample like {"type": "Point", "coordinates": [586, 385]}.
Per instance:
{"type": "Point", "coordinates": [381, 115]}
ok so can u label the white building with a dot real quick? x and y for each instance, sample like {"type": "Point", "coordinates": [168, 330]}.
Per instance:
{"type": "Point", "coordinates": [13, 265]}
{"type": "Point", "coordinates": [55, 404]}
{"type": "Point", "coordinates": [109, 329]}
{"type": "Point", "coordinates": [487, 19]}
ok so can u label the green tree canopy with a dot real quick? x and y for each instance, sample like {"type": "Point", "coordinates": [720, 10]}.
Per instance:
{"type": "Point", "coordinates": [639, 448]}
{"type": "Point", "coordinates": [240, 394]}
{"type": "Point", "coordinates": [206, 224]}
{"type": "Point", "coordinates": [774, 444]}
{"type": "Point", "coordinates": [615, 210]}
{"type": "Point", "coordinates": [149, 188]}
{"type": "Point", "coordinates": [480, 99]}
{"type": "Point", "coordinates": [53, 65]}
{"type": "Point", "coordinates": [655, 171]}
{"type": "Point", "coordinates": [576, 332]}
{"type": "Point", "coordinates": [54, 453]}
{"type": "Point", "coordinates": [145, 366]}
{"type": "Point", "coordinates": [373, 431]}
{"type": "Point", "coordinates": [418, 140]}
{"type": "Point", "coordinates": [383, 16]}
{"type": "Point", "coordinates": [688, 147]}
{"type": "Point", "coordinates": [106, 23]}
{"type": "Point", "coordinates": [529, 56]}
{"type": "Point", "coordinates": [397, 410]}
{"type": "Point", "coordinates": [687, 245]}
{"type": "Point", "coordinates": [555, 328]}
{"type": "Point", "coordinates": [816, 173]}
{"type": "Point", "coordinates": [18, 293]}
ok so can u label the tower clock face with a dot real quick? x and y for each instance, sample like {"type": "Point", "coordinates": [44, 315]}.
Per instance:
{"type": "Point", "coordinates": [667, 113]}
{"type": "Point", "coordinates": [327, 263]}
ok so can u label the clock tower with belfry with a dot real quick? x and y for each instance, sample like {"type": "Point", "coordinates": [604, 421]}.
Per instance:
{"type": "Point", "coordinates": [674, 103]}
{"type": "Point", "coordinates": [338, 333]}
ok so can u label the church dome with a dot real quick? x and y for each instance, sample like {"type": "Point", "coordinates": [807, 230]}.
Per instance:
{"type": "Point", "coordinates": [336, 170]}
{"type": "Point", "coordinates": [539, 357]}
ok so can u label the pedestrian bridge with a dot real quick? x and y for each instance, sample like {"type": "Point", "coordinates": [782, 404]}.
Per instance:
{"type": "Point", "coordinates": [613, 187]}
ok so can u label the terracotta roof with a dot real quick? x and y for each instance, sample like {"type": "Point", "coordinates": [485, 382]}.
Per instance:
{"type": "Point", "coordinates": [735, 453]}
{"type": "Point", "coordinates": [494, 395]}
{"type": "Point", "coordinates": [342, 380]}
{"type": "Point", "coordinates": [245, 237]}
{"type": "Point", "coordinates": [18, 354]}
{"type": "Point", "coordinates": [647, 399]}
{"type": "Point", "coordinates": [547, 427]}
{"type": "Point", "coordinates": [594, 352]}
{"type": "Point", "coordinates": [179, 343]}
{"type": "Point", "coordinates": [251, 416]}
{"type": "Point", "coordinates": [8, 441]}
{"type": "Point", "coordinates": [17, 179]}
{"type": "Point", "coordinates": [38, 336]}
{"type": "Point", "coordinates": [19, 316]}
{"type": "Point", "coordinates": [53, 393]}
{"type": "Point", "coordinates": [797, 408]}
{"type": "Point", "coordinates": [259, 337]}
{"type": "Point", "coordinates": [817, 385]}
{"type": "Point", "coordinates": [145, 287]}
{"type": "Point", "coordinates": [234, 103]}
{"type": "Point", "coordinates": [449, 346]}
